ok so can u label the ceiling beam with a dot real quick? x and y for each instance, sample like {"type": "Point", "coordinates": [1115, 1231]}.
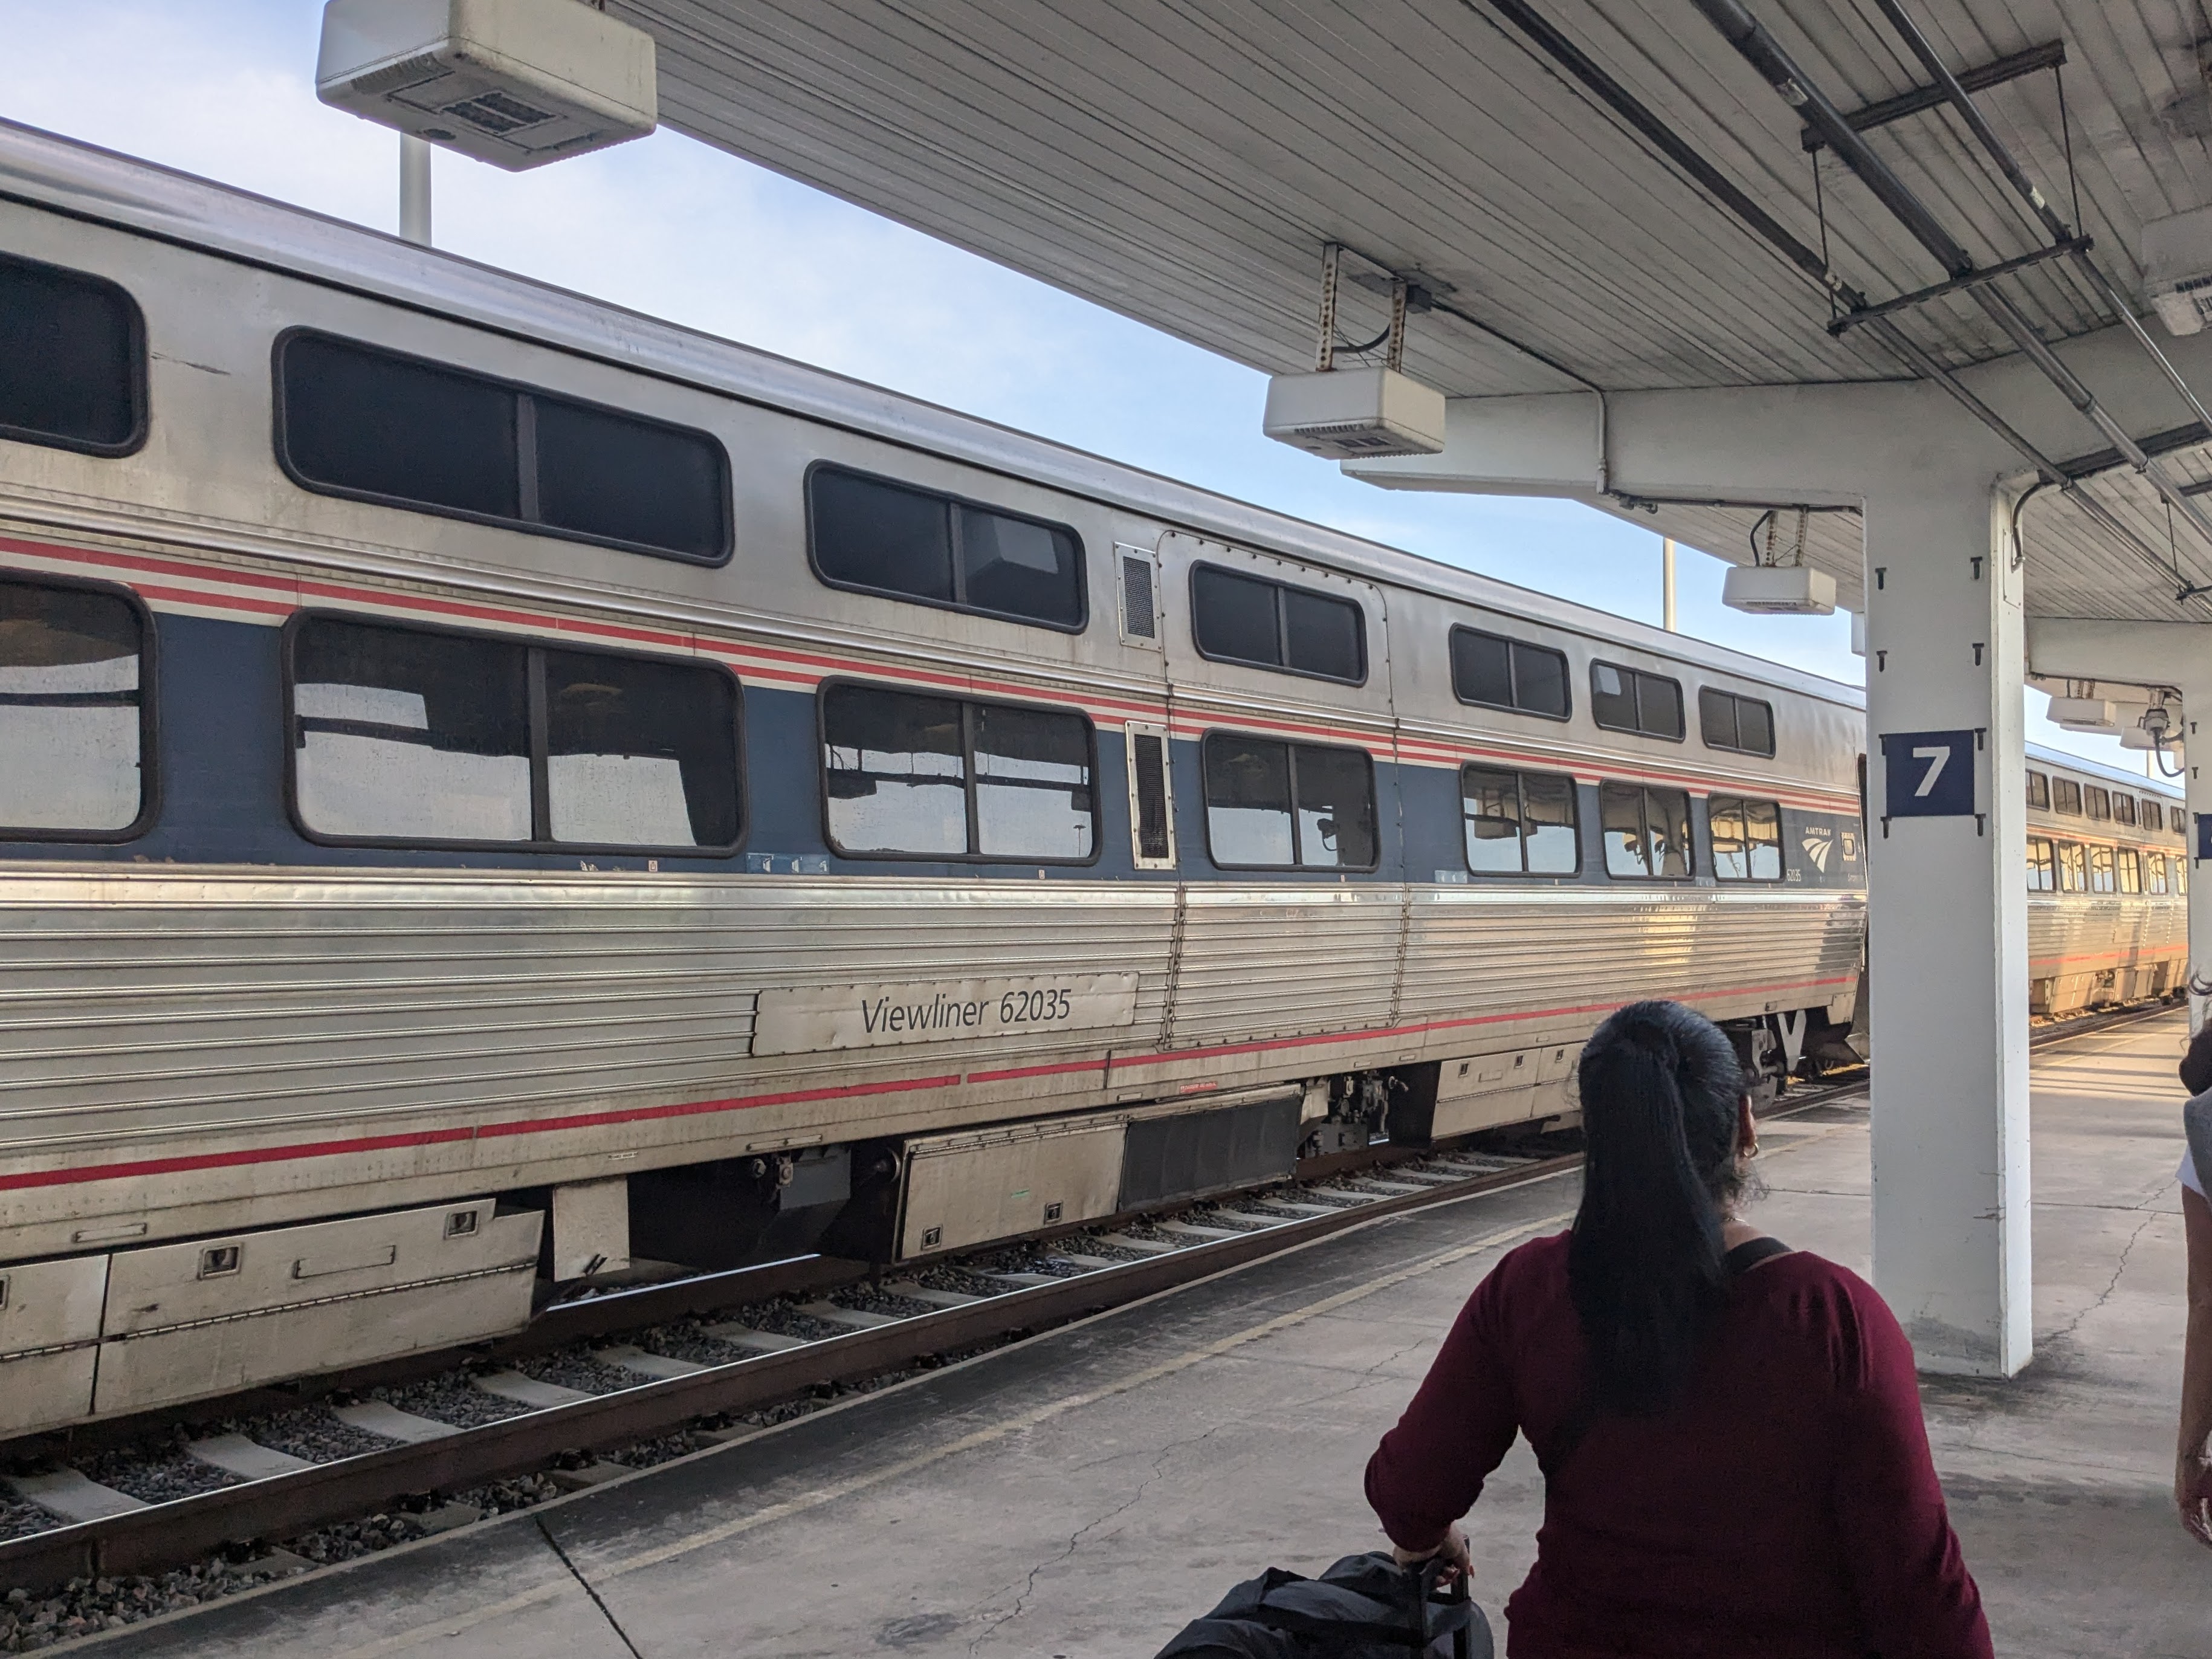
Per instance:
{"type": "Point", "coordinates": [2050, 55]}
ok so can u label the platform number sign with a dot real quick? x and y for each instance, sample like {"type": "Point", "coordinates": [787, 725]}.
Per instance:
{"type": "Point", "coordinates": [1930, 775]}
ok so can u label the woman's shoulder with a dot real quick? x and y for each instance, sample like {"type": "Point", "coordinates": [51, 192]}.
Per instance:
{"type": "Point", "coordinates": [1828, 1303]}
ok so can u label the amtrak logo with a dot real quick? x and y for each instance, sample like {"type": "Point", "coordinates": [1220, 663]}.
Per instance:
{"type": "Point", "coordinates": [1818, 844]}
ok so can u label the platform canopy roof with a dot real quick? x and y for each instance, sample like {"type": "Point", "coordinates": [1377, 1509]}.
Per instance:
{"type": "Point", "coordinates": [1604, 193]}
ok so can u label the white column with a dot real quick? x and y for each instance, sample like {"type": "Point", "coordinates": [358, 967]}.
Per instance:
{"type": "Point", "coordinates": [1947, 936]}
{"type": "Point", "coordinates": [2196, 785]}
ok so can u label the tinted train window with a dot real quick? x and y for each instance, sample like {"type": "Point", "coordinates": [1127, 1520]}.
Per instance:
{"type": "Point", "coordinates": [2124, 808]}
{"type": "Point", "coordinates": [1519, 823]}
{"type": "Point", "coordinates": [73, 722]}
{"type": "Point", "coordinates": [404, 735]}
{"type": "Point", "coordinates": [2153, 814]}
{"type": "Point", "coordinates": [912, 544]}
{"type": "Point", "coordinates": [2038, 790]}
{"type": "Point", "coordinates": [72, 360]}
{"type": "Point", "coordinates": [1747, 839]}
{"type": "Point", "coordinates": [914, 776]}
{"type": "Point", "coordinates": [1493, 671]}
{"type": "Point", "coordinates": [1728, 721]}
{"type": "Point", "coordinates": [1269, 624]}
{"type": "Point", "coordinates": [2042, 868]}
{"type": "Point", "coordinates": [354, 420]}
{"type": "Point", "coordinates": [2099, 802]}
{"type": "Point", "coordinates": [639, 752]}
{"type": "Point", "coordinates": [1647, 831]}
{"type": "Point", "coordinates": [1630, 700]}
{"type": "Point", "coordinates": [1278, 805]}
{"type": "Point", "coordinates": [2066, 796]}
{"type": "Point", "coordinates": [2072, 868]}
{"type": "Point", "coordinates": [2100, 870]}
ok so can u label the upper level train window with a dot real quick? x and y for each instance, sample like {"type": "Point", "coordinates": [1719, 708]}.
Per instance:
{"type": "Point", "coordinates": [1519, 823]}
{"type": "Point", "coordinates": [2042, 865]}
{"type": "Point", "coordinates": [2066, 796]}
{"type": "Point", "coordinates": [2038, 790]}
{"type": "Point", "coordinates": [1647, 831]}
{"type": "Point", "coordinates": [76, 725]}
{"type": "Point", "coordinates": [1747, 839]}
{"type": "Point", "coordinates": [908, 775]}
{"type": "Point", "coordinates": [2123, 807]}
{"type": "Point", "coordinates": [358, 420]}
{"type": "Point", "coordinates": [1272, 805]}
{"type": "Point", "coordinates": [72, 360]}
{"type": "Point", "coordinates": [1495, 672]}
{"type": "Point", "coordinates": [410, 735]}
{"type": "Point", "coordinates": [1271, 624]}
{"type": "Point", "coordinates": [2153, 814]}
{"type": "Point", "coordinates": [1729, 721]}
{"type": "Point", "coordinates": [2099, 802]}
{"type": "Point", "coordinates": [1630, 700]}
{"type": "Point", "coordinates": [884, 538]}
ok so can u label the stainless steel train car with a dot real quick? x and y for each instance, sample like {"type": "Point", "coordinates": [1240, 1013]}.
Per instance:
{"type": "Point", "coordinates": [499, 794]}
{"type": "Point", "coordinates": [2107, 873]}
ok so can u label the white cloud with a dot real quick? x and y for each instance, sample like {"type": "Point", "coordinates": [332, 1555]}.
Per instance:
{"type": "Point", "coordinates": [672, 227]}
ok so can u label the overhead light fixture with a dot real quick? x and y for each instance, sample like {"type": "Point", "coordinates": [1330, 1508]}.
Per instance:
{"type": "Point", "coordinates": [1360, 414]}
{"type": "Point", "coordinates": [1779, 584]}
{"type": "Point", "coordinates": [514, 83]}
{"type": "Point", "coordinates": [2177, 256]}
{"type": "Point", "coordinates": [2086, 714]}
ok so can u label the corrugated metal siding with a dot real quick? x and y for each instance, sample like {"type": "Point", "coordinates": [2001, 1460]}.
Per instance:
{"type": "Point", "coordinates": [1260, 963]}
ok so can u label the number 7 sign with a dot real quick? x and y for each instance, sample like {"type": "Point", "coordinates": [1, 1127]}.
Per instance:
{"type": "Point", "coordinates": [1929, 774]}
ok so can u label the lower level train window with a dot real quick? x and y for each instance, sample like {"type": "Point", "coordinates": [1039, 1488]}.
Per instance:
{"type": "Point", "coordinates": [1747, 839]}
{"type": "Point", "coordinates": [1519, 823]}
{"type": "Point", "coordinates": [2042, 865]}
{"type": "Point", "coordinates": [407, 735]}
{"type": "Point", "coordinates": [2127, 869]}
{"type": "Point", "coordinates": [72, 717]}
{"type": "Point", "coordinates": [2100, 870]}
{"type": "Point", "coordinates": [2073, 865]}
{"type": "Point", "coordinates": [1647, 831]}
{"type": "Point", "coordinates": [2154, 868]}
{"type": "Point", "coordinates": [1272, 805]}
{"type": "Point", "coordinates": [912, 777]}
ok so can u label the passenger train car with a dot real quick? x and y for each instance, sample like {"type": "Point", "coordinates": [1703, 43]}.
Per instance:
{"type": "Point", "coordinates": [2107, 875]}
{"type": "Point", "coordinates": [498, 793]}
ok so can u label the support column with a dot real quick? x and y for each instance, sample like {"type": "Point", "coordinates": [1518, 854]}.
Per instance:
{"type": "Point", "coordinates": [2196, 786]}
{"type": "Point", "coordinates": [1947, 936]}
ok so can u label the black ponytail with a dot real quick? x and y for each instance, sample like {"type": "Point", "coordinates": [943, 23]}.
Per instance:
{"type": "Point", "coordinates": [1660, 1087]}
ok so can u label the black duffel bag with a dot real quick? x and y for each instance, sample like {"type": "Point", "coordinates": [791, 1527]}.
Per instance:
{"type": "Point", "coordinates": [1365, 1607]}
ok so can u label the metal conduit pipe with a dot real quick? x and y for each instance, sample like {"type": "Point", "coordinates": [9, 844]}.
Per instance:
{"type": "Point", "coordinates": [1702, 172]}
{"type": "Point", "coordinates": [2060, 231]}
{"type": "Point", "coordinates": [1767, 55]}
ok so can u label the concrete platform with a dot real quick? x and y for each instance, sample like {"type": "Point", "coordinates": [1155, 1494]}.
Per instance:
{"type": "Point", "coordinates": [1082, 1495]}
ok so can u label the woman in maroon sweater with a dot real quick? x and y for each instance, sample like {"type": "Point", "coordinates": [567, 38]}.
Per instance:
{"type": "Point", "coordinates": [1734, 1459]}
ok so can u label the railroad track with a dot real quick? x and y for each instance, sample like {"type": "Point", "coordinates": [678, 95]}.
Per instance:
{"type": "Point", "coordinates": [521, 1410]}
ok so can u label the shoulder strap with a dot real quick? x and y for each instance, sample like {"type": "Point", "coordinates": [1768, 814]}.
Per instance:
{"type": "Point", "coordinates": [1752, 1251]}
{"type": "Point", "coordinates": [1739, 1262]}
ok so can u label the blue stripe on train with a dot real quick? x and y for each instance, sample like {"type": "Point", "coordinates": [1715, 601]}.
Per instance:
{"type": "Point", "coordinates": [220, 708]}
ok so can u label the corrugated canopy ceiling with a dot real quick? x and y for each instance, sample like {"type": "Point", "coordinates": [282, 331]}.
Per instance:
{"type": "Point", "coordinates": [1184, 161]}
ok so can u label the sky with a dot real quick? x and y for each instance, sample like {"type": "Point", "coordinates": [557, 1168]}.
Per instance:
{"type": "Point", "coordinates": [224, 89]}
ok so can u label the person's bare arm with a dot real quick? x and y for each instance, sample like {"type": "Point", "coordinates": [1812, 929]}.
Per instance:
{"type": "Point", "coordinates": [2193, 1474]}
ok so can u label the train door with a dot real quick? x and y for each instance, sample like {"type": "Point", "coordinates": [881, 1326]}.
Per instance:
{"type": "Point", "coordinates": [1283, 741]}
